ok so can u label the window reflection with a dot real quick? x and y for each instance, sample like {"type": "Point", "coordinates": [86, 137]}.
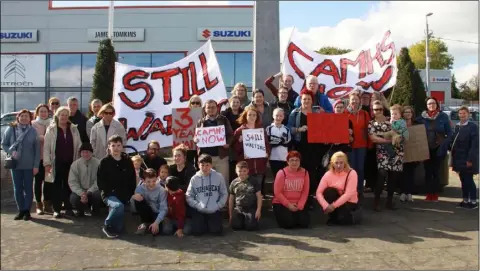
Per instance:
{"type": "Point", "coordinates": [85, 103]}
{"type": "Point", "coordinates": [28, 100]}
{"type": "Point", "coordinates": [6, 102]}
{"type": "Point", "coordinates": [243, 68]}
{"type": "Point", "coordinates": [162, 59]}
{"type": "Point", "coordinates": [88, 69]}
{"type": "Point", "coordinates": [63, 96]}
{"type": "Point", "coordinates": [135, 59]}
{"type": "Point", "coordinates": [226, 61]}
{"type": "Point", "coordinates": [65, 70]}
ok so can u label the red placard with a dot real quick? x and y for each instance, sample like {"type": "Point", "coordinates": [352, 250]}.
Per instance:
{"type": "Point", "coordinates": [327, 128]}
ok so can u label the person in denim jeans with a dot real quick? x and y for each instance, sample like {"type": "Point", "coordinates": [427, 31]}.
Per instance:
{"type": "Point", "coordinates": [116, 179]}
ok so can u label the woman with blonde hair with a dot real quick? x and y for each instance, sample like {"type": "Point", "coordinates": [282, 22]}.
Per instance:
{"type": "Point", "coordinates": [337, 192]}
{"type": "Point", "coordinates": [192, 155]}
{"type": "Point", "coordinates": [104, 129]}
{"type": "Point", "coordinates": [61, 147]}
{"type": "Point", "coordinates": [41, 122]}
{"type": "Point", "coordinates": [240, 90]}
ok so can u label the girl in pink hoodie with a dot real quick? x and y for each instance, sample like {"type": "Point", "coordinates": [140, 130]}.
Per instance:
{"type": "Point", "coordinates": [290, 194]}
{"type": "Point", "coordinates": [337, 192]}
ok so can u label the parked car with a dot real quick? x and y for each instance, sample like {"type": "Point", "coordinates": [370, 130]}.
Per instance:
{"type": "Point", "coordinates": [453, 114]}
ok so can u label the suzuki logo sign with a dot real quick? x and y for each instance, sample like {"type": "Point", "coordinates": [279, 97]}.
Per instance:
{"type": "Point", "coordinates": [225, 33]}
{"type": "Point", "coordinates": [23, 70]}
{"type": "Point", "coordinates": [24, 35]}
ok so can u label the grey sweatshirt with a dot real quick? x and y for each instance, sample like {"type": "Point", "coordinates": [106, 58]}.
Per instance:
{"type": "Point", "coordinates": [207, 194]}
{"type": "Point", "coordinates": [156, 199]}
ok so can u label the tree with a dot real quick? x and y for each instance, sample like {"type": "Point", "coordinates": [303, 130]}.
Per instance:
{"type": "Point", "coordinates": [455, 90]}
{"type": "Point", "coordinates": [104, 72]}
{"type": "Point", "coordinates": [470, 89]}
{"type": "Point", "coordinates": [439, 57]}
{"type": "Point", "coordinates": [409, 89]}
{"type": "Point", "coordinates": [330, 50]}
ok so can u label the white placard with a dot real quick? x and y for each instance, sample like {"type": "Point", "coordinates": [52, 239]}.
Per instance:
{"type": "Point", "coordinates": [254, 143]}
{"type": "Point", "coordinates": [144, 97]}
{"type": "Point", "coordinates": [372, 67]}
{"type": "Point", "coordinates": [210, 136]}
{"type": "Point", "coordinates": [23, 70]}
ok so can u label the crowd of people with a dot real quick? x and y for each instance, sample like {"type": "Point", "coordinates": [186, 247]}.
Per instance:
{"type": "Point", "coordinates": [79, 164]}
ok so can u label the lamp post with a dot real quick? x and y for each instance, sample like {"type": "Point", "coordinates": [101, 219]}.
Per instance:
{"type": "Point", "coordinates": [427, 57]}
{"type": "Point", "coordinates": [110, 20]}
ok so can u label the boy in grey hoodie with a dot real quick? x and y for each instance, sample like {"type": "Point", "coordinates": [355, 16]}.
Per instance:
{"type": "Point", "coordinates": [150, 201]}
{"type": "Point", "coordinates": [206, 194]}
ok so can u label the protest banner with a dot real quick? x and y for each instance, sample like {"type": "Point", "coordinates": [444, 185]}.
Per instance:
{"type": "Point", "coordinates": [254, 143]}
{"type": "Point", "coordinates": [373, 67]}
{"type": "Point", "coordinates": [145, 97]}
{"type": "Point", "coordinates": [327, 128]}
{"type": "Point", "coordinates": [184, 121]}
{"type": "Point", "coordinates": [211, 136]}
{"type": "Point", "coordinates": [416, 147]}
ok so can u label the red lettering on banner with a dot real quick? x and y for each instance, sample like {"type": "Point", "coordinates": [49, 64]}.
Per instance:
{"type": "Point", "coordinates": [209, 84]}
{"type": "Point", "coordinates": [344, 62]}
{"type": "Point", "coordinates": [166, 77]}
{"type": "Point", "coordinates": [292, 48]}
{"type": "Point", "coordinates": [149, 125]}
{"type": "Point", "coordinates": [339, 92]}
{"type": "Point", "coordinates": [332, 70]}
{"type": "Point", "coordinates": [127, 79]}
{"type": "Point", "coordinates": [379, 84]}
{"type": "Point", "coordinates": [186, 87]}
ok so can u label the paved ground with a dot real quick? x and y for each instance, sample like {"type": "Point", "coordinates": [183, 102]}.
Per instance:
{"type": "Point", "coordinates": [418, 236]}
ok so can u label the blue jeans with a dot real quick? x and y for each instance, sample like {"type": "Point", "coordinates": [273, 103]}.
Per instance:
{"type": "Point", "coordinates": [469, 189]}
{"type": "Point", "coordinates": [356, 159]}
{"type": "Point", "coordinates": [116, 213]}
{"type": "Point", "coordinates": [169, 227]}
{"type": "Point", "coordinates": [23, 188]}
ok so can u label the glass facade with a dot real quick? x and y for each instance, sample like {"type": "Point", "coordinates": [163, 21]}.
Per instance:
{"type": "Point", "coordinates": [72, 75]}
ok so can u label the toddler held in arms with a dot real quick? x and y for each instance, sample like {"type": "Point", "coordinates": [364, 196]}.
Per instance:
{"type": "Point", "coordinates": [399, 132]}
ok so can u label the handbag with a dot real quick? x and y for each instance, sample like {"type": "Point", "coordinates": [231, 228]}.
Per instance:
{"type": "Point", "coordinates": [10, 162]}
{"type": "Point", "coordinates": [326, 157]}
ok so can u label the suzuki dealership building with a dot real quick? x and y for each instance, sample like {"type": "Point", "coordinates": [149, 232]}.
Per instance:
{"type": "Point", "coordinates": [48, 51]}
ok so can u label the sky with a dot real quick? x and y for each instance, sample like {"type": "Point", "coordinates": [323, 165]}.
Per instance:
{"type": "Point", "coordinates": [349, 24]}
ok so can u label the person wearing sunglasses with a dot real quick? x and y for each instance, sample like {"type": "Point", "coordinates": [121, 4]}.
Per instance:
{"type": "Point", "coordinates": [53, 105]}
{"type": "Point", "coordinates": [104, 129]}
{"type": "Point", "coordinates": [192, 155]}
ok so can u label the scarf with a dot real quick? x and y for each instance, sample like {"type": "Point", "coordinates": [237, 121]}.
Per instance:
{"type": "Point", "coordinates": [21, 130]}
{"type": "Point", "coordinates": [431, 115]}
{"type": "Point", "coordinates": [44, 122]}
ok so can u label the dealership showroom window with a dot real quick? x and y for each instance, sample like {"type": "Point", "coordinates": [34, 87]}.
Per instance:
{"type": "Point", "coordinates": [68, 75]}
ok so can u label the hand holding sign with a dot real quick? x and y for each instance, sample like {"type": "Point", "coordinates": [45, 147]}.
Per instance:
{"type": "Point", "coordinates": [254, 143]}
{"type": "Point", "coordinates": [210, 136]}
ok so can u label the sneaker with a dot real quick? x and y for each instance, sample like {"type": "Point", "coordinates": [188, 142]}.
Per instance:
{"type": "Point", "coordinates": [27, 216]}
{"type": "Point", "coordinates": [409, 198]}
{"type": "Point", "coordinates": [472, 206]}
{"type": "Point", "coordinates": [435, 198]}
{"type": "Point", "coordinates": [142, 229]}
{"type": "Point", "coordinates": [57, 215]}
{"type": "Point", "coordinates": [463, 204]}
{"type": "Point", "coordinates": [108, 231]}
{"type": "Point", "coordinates": [429, 197]}
{"type": "Point", "coordinates": [403, 198]}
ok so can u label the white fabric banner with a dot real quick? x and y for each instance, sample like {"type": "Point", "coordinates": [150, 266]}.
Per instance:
{"type": "Point", "coordinates": [372, 67]}
{"type": "Point", "coordinates": [254, 143]}
{"type": "Point", "coordinates": [144, 97]}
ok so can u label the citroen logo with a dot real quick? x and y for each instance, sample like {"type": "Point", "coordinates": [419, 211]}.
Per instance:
{"type": "Point", "coordinates": [206, 33]}
{"type": "Point", "coordinates": [14, 67]}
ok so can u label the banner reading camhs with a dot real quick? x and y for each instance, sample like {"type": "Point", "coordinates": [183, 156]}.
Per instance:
{"type": "Point", "coordinates": [144, 97]}
{"type": "Point", "coordinates": [373, 67]}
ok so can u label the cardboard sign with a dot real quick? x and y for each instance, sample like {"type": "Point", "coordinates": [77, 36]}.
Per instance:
{"type": "Point", "coordinates": [416, 147]}
{"type": "Point", "coordinates": [145, 97]}
{"type": "Point", "coordinates": [210, 136]}
{"type": "Point", "coordinates": [327, 128]}
{"type": "Point", "coordinates": [372, 67]}
{"type": "Point", "coordinates": [184, 121]}
{"type": "Point", "coordinates": [254, 143]}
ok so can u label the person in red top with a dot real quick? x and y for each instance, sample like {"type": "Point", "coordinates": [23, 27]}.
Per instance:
{"type": "Point", "coordinates": [175, 222]}
{"type": "Point", "coordinates": [337, 192]}
{"type": "Point", "coordinates": [359, 119]}
{"type": "Point", "coordinates": [250, 119]}
{"type": "Point", "coordinates": [290, 194]}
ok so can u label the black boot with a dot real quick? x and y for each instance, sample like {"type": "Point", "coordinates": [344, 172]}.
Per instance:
{"type": "Point", "coordinates": [27, 215]}
{"type": "Point", "coordinates": [19, 216]}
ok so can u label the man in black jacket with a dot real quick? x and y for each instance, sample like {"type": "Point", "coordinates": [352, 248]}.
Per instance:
{"type": "Point", "coordinates": [76, 117]}
{"type": "Point", "coordinates": [283, 103]}
{"type": "Point", "coordinates": [116, 180]}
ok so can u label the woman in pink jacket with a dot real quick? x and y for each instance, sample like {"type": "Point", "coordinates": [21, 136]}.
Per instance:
{"type": "Point", "coordinates": [40, 124]}
{"type": "Point", "coordinates": [337, 192]}
{"type": "Point", "coordinates": [290, 194]}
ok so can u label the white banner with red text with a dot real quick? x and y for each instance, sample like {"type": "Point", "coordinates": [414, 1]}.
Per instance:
{"type": "Point", "coordinates": [372, 67]}
{"type": "Point", "coordinates": [144, 97]}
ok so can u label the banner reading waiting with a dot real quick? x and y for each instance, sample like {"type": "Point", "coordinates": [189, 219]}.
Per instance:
{"type": "Point", "coordinates": [373, 67]}
{"type": "Point", "coordinates": [144, 97]}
